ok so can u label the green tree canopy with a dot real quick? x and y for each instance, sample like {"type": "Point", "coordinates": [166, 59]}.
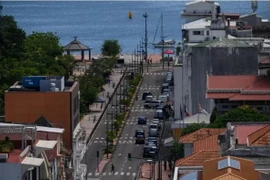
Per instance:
{"type": "Point", "coordinates": [111, 48]}
{"type": "Point", "coordinates": [240, 114]}
{"type": "Point", "coordinates": [192, 128]}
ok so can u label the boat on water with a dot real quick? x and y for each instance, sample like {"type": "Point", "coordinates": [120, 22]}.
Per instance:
{"type": "Point", "coordinates": [167, 44]}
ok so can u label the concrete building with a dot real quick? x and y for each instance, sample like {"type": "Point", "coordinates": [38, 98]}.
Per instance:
{"type": "Point", "coordinates": [51, 97]}
{"type": "Point", "coordinates": [229, 92]}
{"type": "Point", "coordinates": [220, 56]}
{"type": "Point", "coordinates": [35, 154]}
{"type": "Point", "coordinates": [199, 9]}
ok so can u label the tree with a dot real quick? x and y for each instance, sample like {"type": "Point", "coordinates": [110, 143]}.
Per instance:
{"type": "Point", "coordinates": [240, 114]}
{"type": "Point", "coordinates": [111, 48]}
{"type": "Point", "coordinates": [177, 150]}
{"type": "Point", "coordinates": [213, 116]}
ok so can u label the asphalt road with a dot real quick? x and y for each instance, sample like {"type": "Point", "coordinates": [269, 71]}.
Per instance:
{"type": "Point", "coordinates": [124, 169]}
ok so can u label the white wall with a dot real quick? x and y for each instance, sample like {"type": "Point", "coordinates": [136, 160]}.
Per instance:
{"type": "Point", "coordinates": [10, 171]}
{"type": "Point", "coordinates": [218, 33]}
{"type": "Point", "coordinates": [178, 93]}
{"type": "Point", "coordinates": [188, 149]}
{"type": "Point", "coordinates": [196, 38]}
{"type": "Point", "coordinates": [200, 7]}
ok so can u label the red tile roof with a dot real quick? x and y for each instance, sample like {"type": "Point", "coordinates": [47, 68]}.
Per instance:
{"type": "Point", "coordinates": [197, 159]}
{"type": "Point", "coordinates": [243, 131]}
{"type": "Point", "coordinates": [207, 144]}
{"type": "Point", "coordinates": [261, 137]}
{"type": "Point", "coordinates": [201, 134]}
{"type": "Point", "coordinates": [235, 88]}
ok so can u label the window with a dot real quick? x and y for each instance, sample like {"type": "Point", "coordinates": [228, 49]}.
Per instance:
{"type": "Point", "coordinates": [75, 104]}
{"type": "Point", "coordinates": [225, 106]}
{"type": "Point", "coordinates": [196, 33]}
{"type": "Point", "coordinates": [207, 33]}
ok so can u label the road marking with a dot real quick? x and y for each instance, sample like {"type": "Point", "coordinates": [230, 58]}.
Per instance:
{"type": "Point", "coordinates": [128, 173]}
{"type": "Point", "coordinates": [116, 173]}
{"type": "Point", "coordinates": [97, 174]}
{"type": "Point", "coordinates": [97, 138]}
{"type": "Point", "coordinates": [134, 174]}
{"type": "Point", "coordinates": [119, 154]}
{"type": "Point", "coordinates": [129, 168]}
{"type": "Point", "coordinates": [110, 173]}
{"type": "Point", "coordinates": [104, 174]}
{"type": "Point", "coordinates": [95, 141]}
{"type": "Point", "coordinates": [90, 174]}
{"type": "Point", "coordinates": [122, 173]}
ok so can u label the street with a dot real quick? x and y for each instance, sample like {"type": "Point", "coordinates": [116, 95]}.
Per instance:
{"type": "Point", "coordinates": [125, 169]}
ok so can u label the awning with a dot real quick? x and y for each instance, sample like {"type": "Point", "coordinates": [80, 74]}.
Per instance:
{"type": "Point", "coordinates": [168, 142]}
{"type": "Point", "coordinates": [31, 161]}
{"type": "Point", "coordinates": [168, 51]}
{"type": "Point", "coordinates": [99, 100]}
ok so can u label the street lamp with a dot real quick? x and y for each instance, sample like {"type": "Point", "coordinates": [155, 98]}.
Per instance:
{"type": "Point", "coordinates": [145, 15]}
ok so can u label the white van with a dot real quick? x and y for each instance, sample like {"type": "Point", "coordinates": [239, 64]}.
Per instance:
{"type": "Point", "coordinates": [163, 98]}
{"type": "Point", "coordinates": [152, 104]}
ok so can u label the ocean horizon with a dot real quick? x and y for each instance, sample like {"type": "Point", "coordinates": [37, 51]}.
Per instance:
{"type": "Point", "coordinates": [92, 22]}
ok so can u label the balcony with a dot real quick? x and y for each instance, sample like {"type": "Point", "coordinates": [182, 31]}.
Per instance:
{"type": "Point", "coordinates": [196, 13]}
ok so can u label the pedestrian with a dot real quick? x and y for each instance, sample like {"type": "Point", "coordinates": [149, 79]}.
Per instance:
{"type": "Point", "coordinates": [170, 165]}
{"type": "Point", "coordinates": [165, 165]}
{"type": "Point", "coordinates": [112, 168]}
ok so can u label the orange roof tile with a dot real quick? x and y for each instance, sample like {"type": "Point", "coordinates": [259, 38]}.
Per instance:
{"type": "Point", "coordinates": [197, 159]}
{"type": "Point", "coordinates": [249, 88]}
{"type": "Point", "coordinates": [260, 137]}
{"type": "Point", "coordinates": [229, 176]}
{"type": "Point", "coordinates": [207, 144]}
{"type": "Point", "coordinates": [244, 130]}
{"type": "Point", "coordinates": [201, 134]}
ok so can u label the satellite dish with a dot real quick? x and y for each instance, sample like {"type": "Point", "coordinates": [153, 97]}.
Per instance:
{"type": "Point", "coordinates": [254, 5]}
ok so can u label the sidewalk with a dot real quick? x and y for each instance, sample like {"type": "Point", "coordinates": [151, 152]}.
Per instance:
{"type": "Point", "coordinates": [148, 171]}
{"type": "Point", "coordinates": [89, 121]}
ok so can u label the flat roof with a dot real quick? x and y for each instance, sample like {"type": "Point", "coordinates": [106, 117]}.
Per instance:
{"type": "Point", "coordinates": [39, 128]}
{"type": "Point", "coordinates": [46, 144]}
{"type": "Point", "coordinates": [31, 161]}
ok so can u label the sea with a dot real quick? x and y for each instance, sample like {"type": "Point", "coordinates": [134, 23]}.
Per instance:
{"type": "Point", "coordinates": [92, 22]}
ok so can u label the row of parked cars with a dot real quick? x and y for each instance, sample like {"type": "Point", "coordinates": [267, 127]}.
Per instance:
{"type": "Point", "coordinates": [154, 128]}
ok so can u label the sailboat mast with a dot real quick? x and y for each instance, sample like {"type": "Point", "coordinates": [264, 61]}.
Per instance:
{"type": "Point", "coordinates": [162, 39]}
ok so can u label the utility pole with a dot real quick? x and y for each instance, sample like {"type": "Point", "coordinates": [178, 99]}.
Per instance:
{"type": "Point", "coordinates": [162, 39]}
{"type": "Point", "coordinates": [145, 15]}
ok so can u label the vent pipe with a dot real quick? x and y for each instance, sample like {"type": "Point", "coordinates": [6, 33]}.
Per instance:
{"type": "Point", "coordinates": [52, 88]}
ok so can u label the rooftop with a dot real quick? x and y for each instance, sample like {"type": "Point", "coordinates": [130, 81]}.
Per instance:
{"type": "Point", "coordinates": [197, 159]}
{"type": "Point", "coordinates": [207, 144]}
{"type": "Point", "coordinates": [244, 130]}
{"type": "Point", "coordinates": [42, 84]}
{"type": "Point", "coordinates": [239, 88]}
{"type": "Point", "coordinates": [222, 42]}
{"type": "Point", "coordinates": [201, 134]}
{"type": "Point", "coordinates": [261, 137]}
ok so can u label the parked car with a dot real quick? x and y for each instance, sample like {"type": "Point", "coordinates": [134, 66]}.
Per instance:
{"type": "Point", "coordinates": [165, 86]}
{"type": "Point", "coordinates": [153, 126]}
{"type": "Point", "coordinates": [157, 122]}
{"type": "Point", "coordinates": [153, 133]}
{"type": "Point", "coordinates": [139, 136]}
{"type": "Point", "coordinates": [150, 151]}
{"type": "Point", "coordinates": [145, 94]}
{"type": "Point", "coordinates": [159, 114]}
{"type": "Point", "coordinates": [152, 104]}
{"type": "Point", "coordinates": [152, 140]}
{"type": "Point", "coordinates": [149, 98]}
{"type": "Point", "coordinates": [163, 98]}
{"type": "Point", "coordinates": [142, 120]}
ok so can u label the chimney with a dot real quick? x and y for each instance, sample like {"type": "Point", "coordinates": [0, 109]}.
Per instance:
{"type": "Point", "coordinates": [228, 23]}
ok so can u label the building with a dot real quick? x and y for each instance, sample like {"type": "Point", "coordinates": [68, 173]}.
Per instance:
{"type": "Point", "coordinates": [226, 167]}
{"type": "Point", "coordinates": [49, 96]}
{"type": "Point", "coordinates": [199, 9]}
{"type": "Point", "coordinates": [79, 149]}
{"type": "Point", "coordinates": [221, 56]}
{"type": "Point", "coordinates": [230, 92]}
{"type": "Point", "coordinates": [35, 152]}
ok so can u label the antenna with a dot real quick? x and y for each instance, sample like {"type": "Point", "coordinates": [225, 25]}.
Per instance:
{"type": "Point", "coordinates": [254, 5]}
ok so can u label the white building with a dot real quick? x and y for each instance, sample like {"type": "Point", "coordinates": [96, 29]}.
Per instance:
{"type": "Point", "coordinates": [199, 9]}
{"type": "Point", "coordinates": [79, 149]}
